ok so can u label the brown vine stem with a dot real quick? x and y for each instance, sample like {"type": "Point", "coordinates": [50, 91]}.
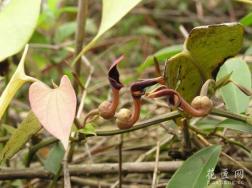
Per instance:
{"type": "Point", "coordinates": [141, 125]}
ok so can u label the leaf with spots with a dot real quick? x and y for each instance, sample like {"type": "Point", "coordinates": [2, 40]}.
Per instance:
{"type": "Point", "coordinates": [205, 50]}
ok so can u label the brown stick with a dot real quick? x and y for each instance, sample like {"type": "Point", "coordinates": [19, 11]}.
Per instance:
{"type": "Point", "coordinates": [90, 169]}
{"type": "Point", "coordinates": [80, 33]}
{"type": "Point", "coordinates": [120, 161]}
{"type": "Point", "coordinates": [90, 182]}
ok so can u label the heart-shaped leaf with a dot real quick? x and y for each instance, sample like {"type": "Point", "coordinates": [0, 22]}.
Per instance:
{"type": "Point", "coordinates": [17, 22]}
{"type": "Point", "coordinates": [55, 108]}
{"type": "Point", "coordinates": [205, 49]}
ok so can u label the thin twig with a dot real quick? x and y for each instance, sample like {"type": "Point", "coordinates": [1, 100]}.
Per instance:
{"type": "Point", "coordinates": [51, 46]}
{"type": "Point", "coordinates": [89, 182]}
{"type": "Point", "coordinates": [199, 9]}
{"type": "Point", "coordinates": [67, 182]}
{"type": "Point", "coordinates": [152, 150]}
{"type": "Point", "coordinates": [120, 160]}
{"type": "Point", "coordinates": [84, 94]}
{"type": "Point", "coordinates": [183, 31]}
{"type": "Point", "coordinates": [230, 141]}
{"type": "Point", "coordinates": [92, 150]}
{"type": "Point", "coordinates": [154, 180]}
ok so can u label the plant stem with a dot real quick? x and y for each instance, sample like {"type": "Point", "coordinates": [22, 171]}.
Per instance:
{"type": "Point", "coordinates": [230, 115]}
{"type": "Point", "coordinates": [198, 131]}
{"type": "Point", "coordinates": [141, 125]}
{"type": "Point", "coordinates": [80, 35]}
{"type": "Point", "coordinates": [67, 181]}
{"type": "Point", "coordinates": [186, 134]}
{"type": "Point", "coordinates": [153, 121]}
{"type": "Point", "coordinates": [239, 144]}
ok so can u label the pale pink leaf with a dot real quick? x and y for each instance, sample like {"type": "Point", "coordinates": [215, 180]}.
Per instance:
{"type": "Point", "coordinates": [55, 108]}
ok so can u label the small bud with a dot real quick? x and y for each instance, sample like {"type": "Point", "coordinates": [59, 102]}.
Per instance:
{"type": "Point", "coordinates": [123, 117]}
{"type": "Point", "coordinates": [196, 103]}
{"type": "Point", "coordinates": [104, 110]}
{"type": "Point", "coordinates": [202, 103]}
{"type": "Point", "coordinates": [206, 102]}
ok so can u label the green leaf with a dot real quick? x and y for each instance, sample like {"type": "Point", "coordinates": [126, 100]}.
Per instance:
{"type": "Point", "coordinates": [89, 129]}
{"type": "Point", "coordinates": [67, 29]}
{"type": "Point", "coordinates": [29, 126]}
{"type": "Point", "coordinates": [245, 1]}
{"type": "Point", "coordinates": [247, 20]}
{"type": "Point", "coordinates": [207, 124]}
{"type": "Point", "coordinates": [64, 31]}
{"type": "Point", "coordinates": [205, 50]}
{"type": "Point", "coordinates": [182, 75]}
{"type": "Point", "coordinates": [235, 100]}
{"type": "Point", "coordinates": [235, 125]}
{"type": "Point", "coordinates": [194, 171]}
{"type": "Point", "coordinates": [17, 22]}
{"type": "Point", "coordinates": [18, 79]}
{"type": "Point", "coordinates": [112, 12]}
{"type": "Point", "coordinates": [161, 55]}
{"type": "Point", "coordinates": [54, 158]}
{"type": "Point", "coordinates": [248, 51]}
{"type": "Point", "coordinates": [8, 128]}
{"type": "Point", "coordinates": [147, 30]}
